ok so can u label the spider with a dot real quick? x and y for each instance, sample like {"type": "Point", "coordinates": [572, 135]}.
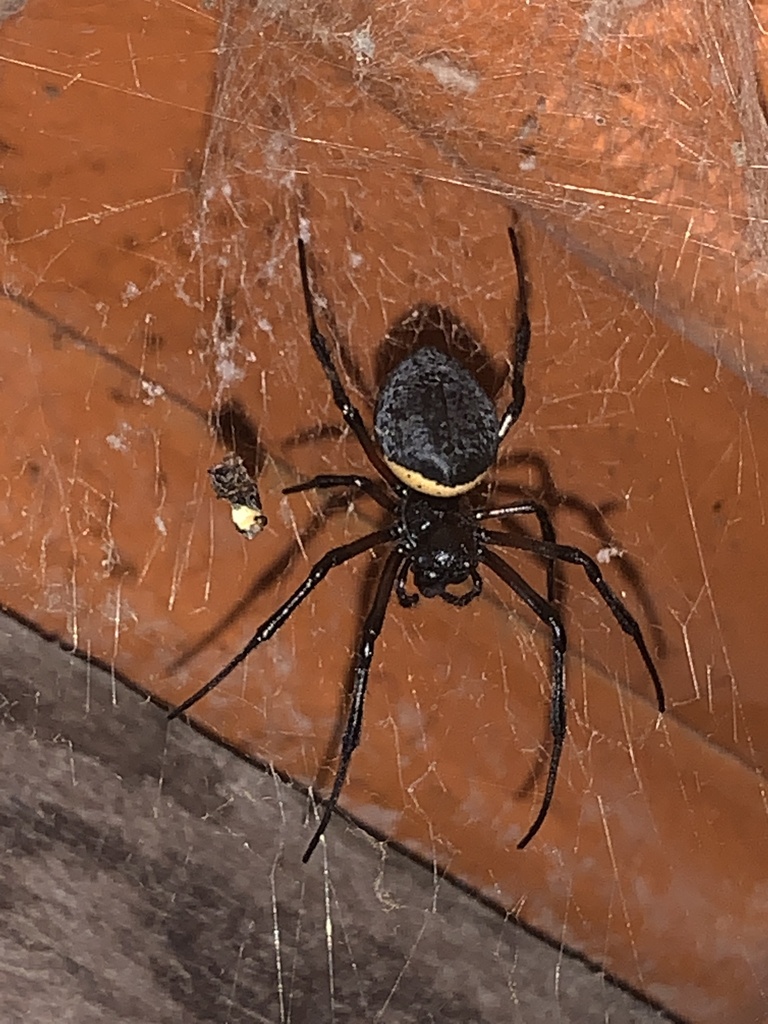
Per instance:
{"type": "Point", "coordinates": [436, 434]}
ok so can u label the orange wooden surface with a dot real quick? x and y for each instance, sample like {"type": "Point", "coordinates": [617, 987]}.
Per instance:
{"type": "Point", "coordinates": [158, 161]}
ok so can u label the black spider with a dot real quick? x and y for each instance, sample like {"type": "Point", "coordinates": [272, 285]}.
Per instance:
{"type": "Point", "coordinates": [437, 435]}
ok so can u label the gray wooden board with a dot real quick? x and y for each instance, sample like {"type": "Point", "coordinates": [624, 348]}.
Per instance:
{"type": "Point", "coordinates": [149, 875]}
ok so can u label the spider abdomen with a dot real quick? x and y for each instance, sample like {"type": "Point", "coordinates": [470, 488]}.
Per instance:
{"type": "Point", "coordinates": [436, 427]}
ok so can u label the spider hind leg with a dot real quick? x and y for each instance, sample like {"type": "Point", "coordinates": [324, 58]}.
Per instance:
{"type": "Point", "coordinates": [330, 560]}
{"type": "Point", "coordinates": [351, 738]}
{"type": "Point", "coordinates": [550, 616]}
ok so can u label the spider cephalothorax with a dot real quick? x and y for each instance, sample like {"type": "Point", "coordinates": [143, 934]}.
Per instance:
{"type": "Point", "coordinates": [441, 545]}
{"type": "Point", "coordinates": [436, 436]}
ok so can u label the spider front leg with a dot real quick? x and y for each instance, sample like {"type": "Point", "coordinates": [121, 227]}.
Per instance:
{"type": "Point", "coordinates": [318, 572]}
{"type": "Point", "coordinates": [344, 403]}
{"type": "Point", "coordinates": [550, 616]}
{"type": "Point", "coordinates": [351, 738]}
{"type": "Point", "coordinates": [522, 344]}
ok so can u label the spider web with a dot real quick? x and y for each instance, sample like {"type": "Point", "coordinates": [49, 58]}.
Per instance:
{"type": "Point", "coordinates": [154, 321]}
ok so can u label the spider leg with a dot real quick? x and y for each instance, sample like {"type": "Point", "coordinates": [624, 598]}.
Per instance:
{"type": "Point", "coordinates": [566, 553]}
{"type": "Point", "coordinates": [334, 557]}
{"type": "Point", "coordinates": [522, 342]}
{"type": "Point", "coordinates": [362, 483]}
{"type": "Point", "coordinates": [460, 600]}
{"type": "Point", "coordinates": [344, 403]}
{"type": "Point", "coordinates": [351, 738]}
{"type": "Point", "coordinates": [551, 617]}
{"type": "Point", "coordinates": [406, 600]}
{"type": "Point", "coordinates": [545, 525]}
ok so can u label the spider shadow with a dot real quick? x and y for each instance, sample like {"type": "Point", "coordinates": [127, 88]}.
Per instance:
{"type": "Point", "coordinates": [238, 433]}
{"type": "Point", "coordinates": [438, 327]}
